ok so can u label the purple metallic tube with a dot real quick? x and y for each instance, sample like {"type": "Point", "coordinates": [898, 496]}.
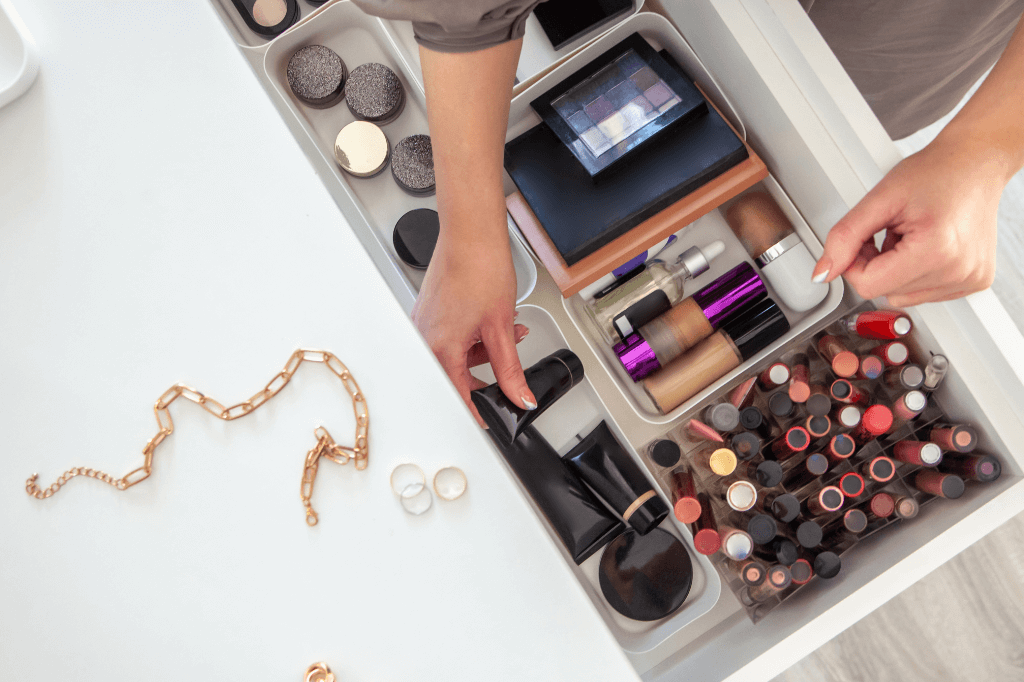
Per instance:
{"type": "Point", "coordinates": [694, 319]}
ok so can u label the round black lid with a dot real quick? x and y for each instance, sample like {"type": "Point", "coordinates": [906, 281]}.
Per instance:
{"type": "Point", "coordinates": [746, 445]}
{"type": "Point", "coordinates": [797, 438]}
{"type": "Point", "coordinates": [827, 565]}
{"type": "Point", "coordinates": [809, 534]}
{"type": "Point", "coordinates": [762, 528]}
{"type": "Point", "coordinates": [785, 551]}
{"type": "Point", "coordinates": [816, 464]}
{"type": "Point", "coordinates": [801, 571]}
{"type": "Point", "coordinates": [818, 405]}
{"type": "Point", "coordinates": [769, 473]}
{"type": "Point", "coordinates": [572, 361]}
{"type": "Point", "coordinates": [751, 418]}
{"type": "Point", "coordinates": [855, 521]}
{"type": "Point", "coordinates": [646, 577]}
{"type": "Point", "coordinates": [723, 417]}
{"type": "Point", "coordinates": [780, 404]}
{"type": "Point", "coordinates": [843, 444]}
{"type": "Point", "coordinates": [841, 388]}
{"type": "Point", "coordinates": [988, 469]}
{"type": "Point", "coordinates": [852, 484]}
{"type": "Point", "coordinates": [649, 515]}
{"type": "Point", "coordinates": [416, 235]}
{"type": "Point", "coordinates": [818, 426]}
{"type": "Point", "coordinates": [756, 326]}
{"type": "Point", "coordinates": [786, 507]}
{"type": "Point", "coordinates": [952, 486]}
{"type": "Point", "coordinates": [665, 453]}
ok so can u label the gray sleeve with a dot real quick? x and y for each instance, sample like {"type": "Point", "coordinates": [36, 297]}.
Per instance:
{"type": "Point", "coordinates": [457, 25]}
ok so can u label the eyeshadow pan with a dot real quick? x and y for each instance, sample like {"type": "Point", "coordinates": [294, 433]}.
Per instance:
{"type": "Point", "coordinates": [269, 12]}
{"type": "Point", "coordinates": [644, 104]}
{"type": "Point", "coordinates": [621, 94]}
{"type": "Point", "coordinates": [579, 122]}
{"type": "Point", "coordinates": [645, 78]}
{"type": "Point", "coordinates": [636, 117]}
{"type": "Point", "coordinates": [595, 141]}
{"type": "Point", "coordinates": [599, 109]}
{"type": "Point", "coordinates": [668, 105]}
{"type": "Point", "coordinates": [658, 94]}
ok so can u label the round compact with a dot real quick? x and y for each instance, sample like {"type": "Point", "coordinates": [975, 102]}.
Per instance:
{"type": "Point", "coordinates": [646, 577]}
{"type": "Point", "coordinates": [405, 475]}
{"type": "Point", "coordinates": [412, 165]}
{"type": "Point", "coordinates": [416, 499]}
{"type": "Point", "coordinates": [362, 149]}
{"type": "Point", "coordinates": [450, 483]}
{"type": "Point", "coordinates": [374, 93]}
{"type": "Point", "coordinates": [415, 237]}
{"type": "Point", "coordinates": [665, 453]}
{"type": "Point", "coordinates": [316, 75]}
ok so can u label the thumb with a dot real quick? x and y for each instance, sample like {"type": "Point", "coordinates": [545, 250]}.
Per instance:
{"type": "Point", "coordinates": [501, 349]}
{"type": "Point", "coordinates": [876, 211]}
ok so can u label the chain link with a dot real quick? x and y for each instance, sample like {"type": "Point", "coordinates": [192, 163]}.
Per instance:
{"type": "Point", "coordinates": [325, 446]}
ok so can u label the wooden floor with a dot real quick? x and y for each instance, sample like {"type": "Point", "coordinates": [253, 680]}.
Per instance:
{"type": "Point", "coordinates": [965, 621]}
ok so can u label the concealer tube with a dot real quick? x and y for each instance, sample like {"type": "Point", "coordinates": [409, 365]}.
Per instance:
{"type": "Point", "coordinates": [606, 467]}
{"type": "Point", "coordinates": [669, 335]}
{"type": "Point", "coordinates": [783, 258]}
{"type": "Point", "coordinates": [742, 336]}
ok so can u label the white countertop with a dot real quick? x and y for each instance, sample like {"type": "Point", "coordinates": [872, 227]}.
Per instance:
{"type": "Point", "coordinates": [158, 223]}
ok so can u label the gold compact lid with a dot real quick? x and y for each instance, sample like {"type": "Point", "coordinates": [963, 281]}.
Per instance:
{"type": "Point", "coordinates": [722, 461]}
{"type": "Point", "coordinates": [362, 149]}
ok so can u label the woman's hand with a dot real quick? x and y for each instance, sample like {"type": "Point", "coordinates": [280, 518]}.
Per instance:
{"type": "Point", "coordinates": [938, 208]}
{"type": "Point", "coordinates": [466, 311]}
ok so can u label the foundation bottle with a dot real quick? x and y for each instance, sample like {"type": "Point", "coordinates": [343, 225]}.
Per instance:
{"type": "Point", "coordinates": [782, 256]}
{"type": "Point", "coordinates": [668, 336]}
{"type": "Point", "coordinates": [742, 336]}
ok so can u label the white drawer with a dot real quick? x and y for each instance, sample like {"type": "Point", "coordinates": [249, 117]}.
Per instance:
{"type": "Point", "coordinates": [824, 148]}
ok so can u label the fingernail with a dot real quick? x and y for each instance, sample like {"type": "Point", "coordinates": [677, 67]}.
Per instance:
{"type": "Point", "coordinates": [522, 335]}
{"type": "Point", "coordinates": [530, 405]}
{"type": "Point", "coordinates": [820, 277]}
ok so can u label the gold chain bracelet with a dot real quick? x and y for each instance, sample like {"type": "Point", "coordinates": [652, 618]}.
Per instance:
{"type": "Point", "coordinates": [325, 445]}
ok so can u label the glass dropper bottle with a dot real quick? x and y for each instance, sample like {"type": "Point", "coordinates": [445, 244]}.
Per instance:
{"type": "Point", "coordinates": [644, 296]}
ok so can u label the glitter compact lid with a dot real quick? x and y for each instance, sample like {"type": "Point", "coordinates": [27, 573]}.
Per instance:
{"type": "Point", "coordinates": [374, 93]}
{"type": "Point", "coordinates": [362, 149]}
{"type": "Point", "coordinates": [316, 75]}
{"type": "Point", "coordinates": [646, 577]}
{"type": "Point", "coordinates": [415, 237]}
{"type": "Point", "coordinates": [412, 165]}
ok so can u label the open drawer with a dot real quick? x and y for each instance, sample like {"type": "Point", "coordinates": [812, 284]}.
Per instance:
{"type": "Point", "coordinates": [823, 164]}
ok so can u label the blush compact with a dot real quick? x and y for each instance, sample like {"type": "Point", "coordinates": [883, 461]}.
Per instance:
{"type": "Point", "coordinates": [374, 93]}
{"type": "Point", "coordinates": [268, 18]}
{"type": "Point", "coordinates": [316, 76]}
{"type": "Point", "coordinates": [646, 577]}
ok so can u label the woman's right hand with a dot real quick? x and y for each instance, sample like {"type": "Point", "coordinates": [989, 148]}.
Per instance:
{"type": "Point", "coordinates": [466, 313]}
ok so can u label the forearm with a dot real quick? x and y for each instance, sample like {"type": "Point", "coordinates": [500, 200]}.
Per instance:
{"type": "Point", "coordinates": [468, 98]}
{"type": "Point", "coordinates": [990, 127]}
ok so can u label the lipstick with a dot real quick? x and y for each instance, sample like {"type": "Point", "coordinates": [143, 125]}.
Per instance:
{"type": "Point", "coordinates": [751, 572]}
{"type": "Point", "coordinates": [762, 528]}
{"type": "Point", "coordinates": [811, 469]}
{"type": "Point", "coordinates": [723, 417]}
{"type": "Point", "coordinates": [665, 453]}
{"type": "Point", "coordinates": [767, 474]}
{"type": "Point", "coordinates": [907, 377]}
{"type": "Point", "coordinates": [893, 353]}
{"type": "Point", "coordinates": [875, 421]}
{"type": "Point", "coordinates": [780, 405]}
{"type": "Point", "coordinates": [825, 501]}
{"type": "Point", "coordinates": [917, 452]}
{"type": "Point", "coordinates": [799, 379]}
{"type": "Point", "coordinates": [818, 427]}
{"type": "Point", "coordinates": [809, 534]}
{"type": "Point", "coordinates": [846, 416]}
{"type": "Point", "coordinates": [706, 539]}
{"type": "Point", "coordinates": [935, 372]}
{"type": "Point", "coordinates": [743, 395]}
{"type": "Point", "coordinates": [684, 497]}
{"type": "Point", "coordinates": [698, 430]}
{"type": "Point", "coordinates": [781, 550]}
{"type": "Point", "coordinates": [746, 445]}
{"type": "Point", "coordinates": [884, 325]}
{"type": "Point", "coordinates": [778, 579]}
{"type": "Point", "coordinates": [954, 437]}
{"type": "Point", "coordinates": [776, 375]}
{"type": "Point", "coordinates": [736, 544]}
{"type": "Point", "coordinates": [741, 496]}
{"type": "Point", "coordinates": [818, 404]}
{"type": "Point", "coordinates": [785, 507]}
{"type": "Point", "coordinates": [795, 440]}
{"type": "Point", "coordinates": [844, 363]}
{"type": "Point", "coordinates": [801, 572]}
{"type": "Point", "coordinates": [906, 508]}
{"type": "Point", "coordinates": [719, 461]}
{"type": "Point", "coordinates": [752, 419]}
{"type": "Point", "coordinates": [880, 469]}
{"type": "Point", "coordinates": [840, 447]}
{"type": "Point", "coordinates": [871, 367]}
{"type": "Point", "coordinates": [845, 392]}
{"type": "Point", "coordinates": [827, 565]}
{"type": "Point", "coordinates": [981, 468]}
{"type": "Point", "coordinates": [906, 407]}
{"type": "Point", "coordinates": [939, 484]}
{"type": "Point", "coordinates": [881, 506]}
{"type": "Point", "coordinates": [852, 484]}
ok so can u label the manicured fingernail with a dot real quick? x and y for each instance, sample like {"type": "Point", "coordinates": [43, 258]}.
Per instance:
{"type": "Point", "coordinates": [522, 335]}
{"type": "Point", "coordinates": [530, 405]}
{"type": "Point", "coordinates": [820, 277]}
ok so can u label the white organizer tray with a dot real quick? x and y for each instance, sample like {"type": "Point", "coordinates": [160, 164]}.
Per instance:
{"type": "Point", "coordinates": [19, 58]}
{"type": "Point", "coordinates": [578, 413]}
{"type": "Point", "coordinates": [358, 39]}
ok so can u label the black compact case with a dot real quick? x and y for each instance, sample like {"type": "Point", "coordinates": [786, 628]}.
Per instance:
{"type": "Point", "coordinates": [563, 21]}
{"type": "Point", "coordinates": [251, 9]}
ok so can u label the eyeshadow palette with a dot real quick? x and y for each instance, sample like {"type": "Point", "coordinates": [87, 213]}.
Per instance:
{"type": "Point", "coordinates": [624, 98]}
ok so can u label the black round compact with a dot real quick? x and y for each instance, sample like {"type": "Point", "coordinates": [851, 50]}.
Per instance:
{"type": "Point", "coordinates": [415, 237]}
{"type": "Point", "coordinates": [646, 577]}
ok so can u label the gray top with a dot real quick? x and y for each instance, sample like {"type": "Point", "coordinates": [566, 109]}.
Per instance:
{"type": "Point", "coordinates": [913, 60]}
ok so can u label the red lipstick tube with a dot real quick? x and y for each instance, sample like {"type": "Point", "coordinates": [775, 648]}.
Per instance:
{"type": "Point", "coordinates": [799, 379]}
{"type": "Point", "coordinates": [884, 325]}
{"type": "Point", "coordinates": [875, 421]}
{"type": "Point", "coordinates": [825, 501]}
{"type": "Point", "coordinates": [844, 363]}
{"type": "Point", "coordinates": [773, 377]}
{"type": "Point", "coordinates": [795, 440]}
{"type": "Point", "coordinates": [706, 539]}
{"type": "Point", "coordinates": [684, 493]}
{"type": "Point", "coordinates": [917, 452]}
{"type": "Point", "coordinates": [939, 484]}
{"type": "Point", "coordinates": [894, 353]}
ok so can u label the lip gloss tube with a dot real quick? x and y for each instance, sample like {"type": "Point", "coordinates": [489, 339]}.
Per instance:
{"type": "Point", "coordinates": [917, 452]}
{"type": "Point", "coordinates": [954, 437]}
{"type": "Point", "coordinates": [799, 379]}
{"type": "Point", "coordinates": [845, 392]}
{"type": "Point", "coordinates": [811, 469]}
{"type": "Point", "coordinates": [982, 468]}
{"type": "Point", "coordinates": [893, 353]}
{"type": "Point", "coordinates": [818, 427]}
{"type": "Point", "coordinates": [939, 484]}
{"type": "Point", "coordinates": [752, 419]}
{"type": "Point", "coordinates": [776, 375]}
{"type": "Point", "coordinates": [906, 377]}
{"type": "Point", "coordinates": [742, 396]}
{"type": "Point", "coordinates": [751, 572]}
{"type": "Point", "coordinates": [766, 474]}
{"type": "Point", "coordinates": [746, 445]}
{"type": "Point", "coordinates": [844, 363]}
{"type": "Point", "coordinates": [881, 506]}
{"type": "Point", "coordinates": [741, 496]}
{"type": "Point", "coordinates": [935, 372]}
{"type": "Point", "coordinates": [880, 469]}
{"type": "Point", "coordinates": [688, 323]}
{"type": "Point", "coordinates": [785, 507]}
{"type": "Point", "coordinates": [801, 572]}
{"type": "Point", "coordinates": [825, 501]}
{"type": "Point", "coordinates": [684, 493]}
{"type": "Point", "coordinates": [719, 461]}
{"type": "Point", "coordinates": [736, 544]}
{"type": "Point", "coordinates": [906, 508]}
{"type": "Point", "coordinates": [795, 440]}
{"type": "Point", "coordinates": [840, 447]}
{"type": "Point", "coordinates": [665, 453]}
{"type": "Point", "coordinates": [706, 539]}
{"type": "Point", "coordinates": [871, 367]}
{"type": "Point", "coordinates": [852, 484]}
{"type": "Point", "coordinates": [846, 416]}
{"type": "Point", "coordinates": [875, 421]}
{"type": "Point", "coordinates": [884, 325]}
{"type": "Point", "coordinates": [741, 337]}
{"type": "Point", "coordinates": [778, 579]}
{"type": "Point", "coordinates": [698, 430]}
